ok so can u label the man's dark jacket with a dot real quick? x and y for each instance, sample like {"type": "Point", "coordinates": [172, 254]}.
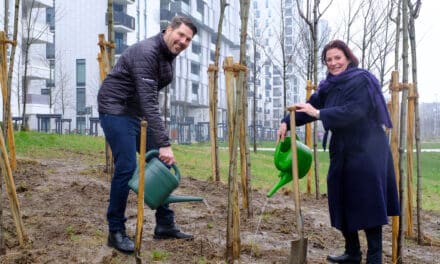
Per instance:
{"type": "Point", "coordinates": [132, 87]}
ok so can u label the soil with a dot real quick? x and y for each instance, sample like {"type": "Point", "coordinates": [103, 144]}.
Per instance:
{"type": "Point", "coordinates": [63, 203]}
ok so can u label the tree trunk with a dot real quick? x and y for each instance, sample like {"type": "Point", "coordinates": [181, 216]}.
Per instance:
{"type": "Point", "coordinates": [414, 13]}
{"type": "Point", "coordinates": [214, 97]}
{"type": "Point", "coordinates": [403, 132]}
{"type": "Point", "coordinates": [244, 144]}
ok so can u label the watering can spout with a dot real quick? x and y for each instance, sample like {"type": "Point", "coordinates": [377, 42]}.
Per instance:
{"type": "Point", "coordinates": [285, 178]}
{"type": "Point", "coordinates": [180, 199]}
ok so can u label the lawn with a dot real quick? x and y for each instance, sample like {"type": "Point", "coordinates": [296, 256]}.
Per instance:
{"type": "Point", "coordinates": [194, 160]}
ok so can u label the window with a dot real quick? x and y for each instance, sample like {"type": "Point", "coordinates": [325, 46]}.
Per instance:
{"type": "Point", "coordinates": [196, 48]}
{"type": "Point", "coordinates": [80, 72]}
{"type": "Point", "coordinates": [118, 7]}
{"type": "Point", "coordinates": [195, 68]}
{"type": "Point", "coordinates": [51, 81]}
{"type": "Point", "coordinates": [80, 101]}
{"type": "Point", "coordinates": [212, 55]}
{"type": "Point", "coordinates": [214, 38]}
{"type": "Point", "coordinates": [195, 88]}
{"type": "Point", "coordinates": [81, 124]}
{"type": "Point", "coordinates": [200, 6]}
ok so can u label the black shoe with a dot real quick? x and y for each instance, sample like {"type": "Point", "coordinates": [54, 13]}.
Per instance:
{"type": "Point", "coordinates": [120, 241]}
{"type": "Point", "coordinates": [170, 232]}
{"type": "Point", "coordinates": [345, 258]}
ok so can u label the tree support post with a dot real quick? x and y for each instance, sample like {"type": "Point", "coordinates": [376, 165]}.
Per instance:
{"type": "Point", "coordinates": [6, 104]}
{"type": "Point", "coordinates": [394, 88]}
{"type": "Point", "coordinates": [104, 68]}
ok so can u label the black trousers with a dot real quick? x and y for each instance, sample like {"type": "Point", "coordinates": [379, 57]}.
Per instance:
{"type": "Point", "coordinates": [374, 241]}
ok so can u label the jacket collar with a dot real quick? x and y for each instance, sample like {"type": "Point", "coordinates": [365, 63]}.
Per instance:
{"type": "Point", "coordinates": [164, 48]}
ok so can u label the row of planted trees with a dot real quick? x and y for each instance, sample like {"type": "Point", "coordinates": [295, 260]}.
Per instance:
{"type": "Point", "coordinates": [403, 108]}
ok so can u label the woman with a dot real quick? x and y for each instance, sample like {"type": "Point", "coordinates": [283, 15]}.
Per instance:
{"type": "Point", "coordinates": [361, 184]}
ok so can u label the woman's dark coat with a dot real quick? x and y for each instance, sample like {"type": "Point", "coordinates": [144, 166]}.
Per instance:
{"type": "Point", "coordinates": [361, 183]}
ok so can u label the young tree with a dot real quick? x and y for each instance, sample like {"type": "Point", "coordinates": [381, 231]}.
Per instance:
{"type": "Point", "coordinates": [313, 9]}
{"type": "Point", "coordinates": [403, 131]}
{"type": "Point", "coordinates": [414, 10]}
{"type": "Point", "coordinates": [31, 14]}
{"type": "Point", "coordinates": [214, 95]}
{"type": "Point", "coordinates": [60, 95]}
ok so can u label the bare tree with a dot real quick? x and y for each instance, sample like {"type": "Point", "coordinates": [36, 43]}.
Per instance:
{"type": "Point", "coordinates": [30, 14]}
{"type": "Point", "coordinates": [403, 131]}
{"type": "Point", "coordinates": [256, 42]}
{"type": "Point", "coordinates": [414, 10]}
{"type": "Point", "coordinates": [214, 96]}
{"type": "Point", "coordinates": [60, 94]}
{"type": "Point", "coordinates": [313, 28]}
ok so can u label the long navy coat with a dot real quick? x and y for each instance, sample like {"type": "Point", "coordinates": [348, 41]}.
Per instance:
{"type": "Point", "coordinates": [361, 182]}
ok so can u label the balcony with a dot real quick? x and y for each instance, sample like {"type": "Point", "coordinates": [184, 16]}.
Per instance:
{"type": "Point", "coordinates": [40, 34]}
{"type": "Point", "coordinates": [37, 99]}
{"type": "Point", "coordinates": [38, 3]}
{"type": "Point", "coordinates": [122, 22]}
{"type": "Point", "coordinates": [124, 2]}
{"type": "Point", "coordinates": [37, 72]}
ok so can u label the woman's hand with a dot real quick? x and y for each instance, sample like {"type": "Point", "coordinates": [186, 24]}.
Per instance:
{"type": "Point", "coordinates": [308, 109]}
{"type": "Point", "coordinates": [282, 131]}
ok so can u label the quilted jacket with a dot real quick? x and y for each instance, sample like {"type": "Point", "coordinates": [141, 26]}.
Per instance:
{"type": "Point", "coordinates": [132, 87]}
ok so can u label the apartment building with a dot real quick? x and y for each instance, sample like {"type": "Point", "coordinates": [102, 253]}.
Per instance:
{"type": "Point", "coordinates": [31, 67]}
{"type": "Point", "coordinates": [64, 74]}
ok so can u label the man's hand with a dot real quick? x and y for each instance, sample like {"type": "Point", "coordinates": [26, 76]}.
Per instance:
{"type": "Point", "coordinates": [166, 155]}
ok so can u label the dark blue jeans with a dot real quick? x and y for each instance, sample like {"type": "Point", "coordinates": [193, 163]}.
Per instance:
{"type": "Point", "coordinates": [123, 135]}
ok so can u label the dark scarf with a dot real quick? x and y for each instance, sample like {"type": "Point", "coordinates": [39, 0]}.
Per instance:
{"type": "Point", "coordinates": [382, 115]}
{"type": "Point", "coordinates": [381, 110]}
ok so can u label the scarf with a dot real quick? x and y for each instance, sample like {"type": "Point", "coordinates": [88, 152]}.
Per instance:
{"type": "Point", "coordinates": [381, 111]}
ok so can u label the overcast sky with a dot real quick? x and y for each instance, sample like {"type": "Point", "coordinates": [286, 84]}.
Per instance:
{"type": "Point", "coordinates": [428, 51]}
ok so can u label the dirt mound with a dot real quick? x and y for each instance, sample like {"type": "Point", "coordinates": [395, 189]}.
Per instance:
{"type": "Point", "coordinates": [63, 203]}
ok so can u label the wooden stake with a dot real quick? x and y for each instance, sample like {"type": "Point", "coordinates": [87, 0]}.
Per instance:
{"type": "Point", "coordinates": [233, 216]}
{"type": "Point", "coordinates": [104, 68]}
{"type": "Point", "coordinates": [12, 194]}
{"type": "Point", "coordinates": [394, 88]}
{"type": "Point", "coordinates": [4, 83]}
{"type": "Point", "coordinates": [140, 196]}
{"type": "Point", "coordinates": [410, 155]}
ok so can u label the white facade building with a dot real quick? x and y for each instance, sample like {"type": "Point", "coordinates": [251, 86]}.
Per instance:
{"type": "Point", "coordinates": [63, 72]}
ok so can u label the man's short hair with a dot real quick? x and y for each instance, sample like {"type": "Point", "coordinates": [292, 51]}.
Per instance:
{"type": "Point", "coordinates": [178, 20]}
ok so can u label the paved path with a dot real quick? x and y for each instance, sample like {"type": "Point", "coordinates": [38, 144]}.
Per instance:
{"type": "Point", "coordinates": [320, 150]}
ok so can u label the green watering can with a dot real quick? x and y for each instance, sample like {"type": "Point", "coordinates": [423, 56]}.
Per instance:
{"type": "Point", "coordinates": [159, 183]}
{"type": "Point", "coordinates": [283, 162]}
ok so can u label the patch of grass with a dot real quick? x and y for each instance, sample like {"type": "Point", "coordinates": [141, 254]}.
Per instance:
{"type": "Point", "coordinates": [71, 233]}
{"type": "Point", "coordinates": [195, 160]}
{"type": "Point", "coordinates": [33, 144]}
{"type": "Point", "coordinates": [159, 255]}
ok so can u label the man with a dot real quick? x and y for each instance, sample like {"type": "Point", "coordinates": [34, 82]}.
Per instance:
{"type": "Point", "coordinates": [128, 94]}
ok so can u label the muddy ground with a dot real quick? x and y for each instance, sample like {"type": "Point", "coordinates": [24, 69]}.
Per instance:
{"type": "Point", "coordinates": [63, 202]}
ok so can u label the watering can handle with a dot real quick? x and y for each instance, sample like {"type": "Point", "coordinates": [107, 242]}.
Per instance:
{"type": "Point", "coordinates": [154, 153]}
